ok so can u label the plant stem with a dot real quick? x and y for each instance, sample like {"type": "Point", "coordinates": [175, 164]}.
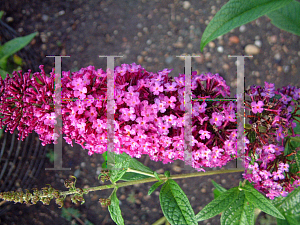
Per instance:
{"type": "Point", "coordinates": [147, 180]}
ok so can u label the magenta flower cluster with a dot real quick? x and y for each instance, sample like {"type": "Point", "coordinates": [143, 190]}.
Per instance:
{"type": "Point", "coordinates": [271, 119]}
{"type": "Point", "coordinates": [149, 118]}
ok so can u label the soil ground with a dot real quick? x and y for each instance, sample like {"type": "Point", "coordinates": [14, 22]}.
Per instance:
{"type": "Point", "coordinates": [152, 34]}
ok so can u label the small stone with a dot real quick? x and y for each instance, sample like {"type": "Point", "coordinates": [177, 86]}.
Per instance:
{"type": "Point", "coordinates": [9, 19]}
{"type": "Point", "coordinates": [144, 53]}
{"type": "Point", "coordinates": [62, 12]}
{"type": "Point", "coordinates": [286, 69]}
{"type": "Point", "coordinates": [176, 169]}
{"type": "Point", "coordinates": [139, 34]}
{"type": "Point", "coordinates": [178, 45]}
{"type": "Point", "coordinates": [223, 181]}
{"type": "Point", "coordinates": [277, 57]}
{"type": "Point", "coordinates": [272, 39]}
{"type": "Point", "coordinates": [156, 193]}
{"type": "Point", "coordinates": [116, 32]}
{"type": "Point", "coordinates": [149, 42]}
{"type": "Point", "coordinates": [211, 44]}
{"type": "Point", "coordinates": [242, 28]}
{"type": "Point", "coordinates": [190, 45]}
{"type": "Point", "coordinates": [234, 40]}
{"type": "Point", "coordinates": [258, 81]}
{"type": "Point", "coordinates": [45, 18]}
{"type": "Point", "coordinates": [252, 50]}
{"type": "Point", "coordinates": [44, 47]}
{"type": "Point", "coordinates": [220, 49]}
{"type": "Point", "coordinates": [207, 56]}
{"type": "Point", "coordinates": [140, 59]}
{"type": "Point", "coordinates": [258, 43]}
{"type": "Point", "coordinates": [145, 29]}
{"type": "Point", "coordinates": [285, 49]}
{"type": "Point", "coordinates": [122, 197]}
{"type": "Point", "coordinates": [186, 4]}
{"type": "Point", "coordinates": [279, 69]}
{"type": "Point", "coordinates": [154, 210]}
{"type": "Point", "coordinates": [203, 190]}
{"type": "Point", "coordinates": [159, 26]}
{"type": "Point", "coordinates": [160, 171]}
{"type": "Point", "coordinates": [225, 66]}
{"type": "Point", "coordinates": [169, 60]}
{"type": "Point", "coordinates": [169, 33]}
{"type": "Point", "coordinates": [139, 25]}
{"type": "Point", "coordinates": [93, 165]}
{"type": "Point", "coordinates": [149, 59]}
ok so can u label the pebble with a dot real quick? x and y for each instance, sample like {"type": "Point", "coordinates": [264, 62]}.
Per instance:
{"type": "Point", "coordinates": [178, 45]}
{"type": "Point", "coordinates": [272, 39]}
{"type": "Point", "coordinates": [252, 49]}
{"type": "Point", "coordinates": [160, 171]}
{"type": "Point", "coordinates": [203, 190]}
{"type": "Point", "coordinates": [258, 81]}
{"type": "Point", "coordinates": [44, 47]}
{"type": "Point", "coordinates": [277, 57]}
{"type": "Point", "coordinates": [242, 28]}
{"type": "Point", "coordinates": [145, 29]}
{"type": "Point", "coordinates": [149, 59]}
{"type": "Point", "coordinates": [234, 40]}
{"type": "Point", "coordinates": [279, 69]}
{"type": "Point", "coordinates": [82, 164]}
{"type": "Point", "coordinates": [149, 42]}
{"type": "Point", "coordinates": [190, 45]}
{"type": "Point", "coordinates": [139, 25]}
{"type": "Point", "coordinates": [258, 43]}
{"type": "Point", "coordinates": [45, 18]}
{"type": "Point", "coordinates": [225, 66]}
{"type": "Point", "coordinates": [286, 69]}
{"type": "Point", "coordinates": [160, 26]}
{"type": "Point", "coordinates": [176, 169]}
{"type": "Point", "coordinates": [211, 44]}
{"type": "Point", "coordinates": [207, 56]}
{"type": "Point", "coordinates": [169, 60]}
{"type": "Point", "coordinates": [140, 59]}
{"type": "Point", "coordinates": [220, 49]}
{"type": "Point", "coordinates": [186, 4]}
{"type": "Point", "coordinates": [223, 181]}
{"type": "Point", "coordinates": [9, 19]}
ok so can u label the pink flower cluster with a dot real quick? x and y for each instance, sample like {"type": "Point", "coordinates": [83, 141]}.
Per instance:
{"type": "Point", "coordinates": [265, 157]}
{"type": "Point", "coordinates": [149, 118]}
{"type": "Point", "coordinates": [149, 113]}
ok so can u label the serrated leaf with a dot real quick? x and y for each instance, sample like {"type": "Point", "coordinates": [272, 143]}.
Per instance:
{"type": "Point", "coordinates": [240, 212]}
{"type": "Point", "coordinates": [120, 166]}
{"type": "Point", "coordinates": [136, 165]}
{"type": "Point", "coordinates": [282, 222]}
{"type": "Point", "coordinates": [287, 18]}
{"type": "Point", "coordinates": [175, 204]}
{"type": "Point", "coordinates": [217, 193]}
{"type": "Point", "coordinates": [14, 45]}
{"type": "Point", "coordinates": [154, 186]}
{"type": "Point", "coordinates": [218, 205]}
{"type": "Point", "coordinates": [115, 210]}
{"type": "Point", "coordinates": [261, 202]}
{"type": "Point", "coordinates": [289, 206]}
{"type": "Point", "coordinates": [129, 176]}
{"type": "Point", "coordinates": [218, 186]}
{"type": "Point", "coordinates": [236, 13]}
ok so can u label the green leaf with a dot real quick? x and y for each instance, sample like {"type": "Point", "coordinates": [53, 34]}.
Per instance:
{"type": "Point", "coordinates": [114, 209]}
{"type": "Point", "coordinates": [175, 204]}
{"type": "Point", "coordinates": [236, 13]}
{"type": "Point", "coordinates": [287, 18]}
{"type": "Point", "coordinates": [156, 176]}
{"type": "Point", "coordinates": [136, 165]}
{"type": "Point", "coordinates": [282, 222]}
{"type": "Point", "coordinates": [261, 202]}
{"type": "Point", "coordinates": [1, 14]}
{"type": "Point", "coordinates": [130, 176]}
{"type": "Point", "coordinates": [154, 186]}
{"type": "Point", "coordinates": [218, 205]}
{"type": "Point", "coordinates": [297, 139]}
{"type": "Point", "coordinates": [218, 186]}
{"type": "Point", "coordinates": [14, 45]}
{"type": "Point", "coordinates": [120, 166]}
{"type": "Point", "coordinates": [69, 212]}
{"type": "Point", "coordinates": [219, 189]}
{"type": "Point", "coordinates": [289, 206]}
{"type": "Point", "coordinates": [240, 212]}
